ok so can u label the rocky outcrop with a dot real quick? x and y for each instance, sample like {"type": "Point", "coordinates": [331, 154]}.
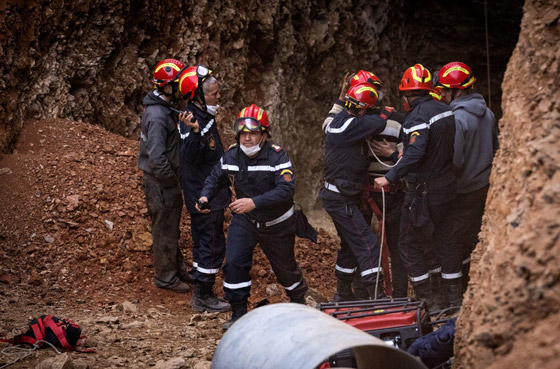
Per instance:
{"type": "Point", "coordinates": [92, 60]}
{"type": "Point", "coordinates": [511, 314]}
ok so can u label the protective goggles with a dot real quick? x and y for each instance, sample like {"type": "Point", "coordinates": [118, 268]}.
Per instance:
{"type": "Point", "coordinates": [202, 72]}
{"type": "Point", "coordinates": [247, 125]}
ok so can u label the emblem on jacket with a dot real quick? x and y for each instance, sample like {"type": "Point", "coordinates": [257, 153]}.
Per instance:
{"type": "Point", "coordinates": [287, 175]}
{"type": "Point", "coordinates": [413, 136]}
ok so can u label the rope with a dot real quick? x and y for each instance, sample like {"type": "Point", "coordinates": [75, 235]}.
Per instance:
{"type": "Point", "coordinates": [487, 55]}
{"type": "Point", "coordinates": [379, 160]}
{"type": "Point", "coordinates": [382, 231]}
{"type": "Point", "coordinates": [22, 352]}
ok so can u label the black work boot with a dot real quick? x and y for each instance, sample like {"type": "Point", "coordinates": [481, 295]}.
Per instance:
{"type": "Point", "coordinates": [360, 290]}
{"type": "Point", "coordinates": [380, 293]}
{"type": "Point", "coordinates": [204, 299]}
{"type": "Point", "coordinates": [453, 292]}
{"type": "Point", "coordinates": [437, 289]}
{"type": "Point", "coordinates": [423, 291]}
{"type": "Point", "coordinates": [238, 310]}
{"type": "Point", "coordinates": [343, 291]}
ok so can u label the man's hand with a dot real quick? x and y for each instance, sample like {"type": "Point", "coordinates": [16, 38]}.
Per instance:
{"type": "Point", "coordinates": [380, 182]}
{"type": "Point", "coordinates": [384, 148]}
{"type": "Point", "coordinates": [202, 199]}
{"type": "Point", "coordinates": [345, 85]}
{"type": "Point", "coordinates": [242, 206]}
{"type": "Point", "coordinates": [187, 118]}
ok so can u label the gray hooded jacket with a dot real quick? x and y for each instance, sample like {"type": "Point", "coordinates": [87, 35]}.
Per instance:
{"type": "Point", "coordinates": [476, 141]}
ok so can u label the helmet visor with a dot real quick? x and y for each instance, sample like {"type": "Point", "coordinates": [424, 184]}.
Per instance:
{"type": "Point", "coordinates": [247, 125]}
{"type": "Point", "coordinates": [202, 71]}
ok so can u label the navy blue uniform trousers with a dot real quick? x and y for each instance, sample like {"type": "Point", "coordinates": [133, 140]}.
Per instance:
{"type": "Point", "coordinates": [209, 244]}
{"type": "Point", "coordinates": [277, 243]}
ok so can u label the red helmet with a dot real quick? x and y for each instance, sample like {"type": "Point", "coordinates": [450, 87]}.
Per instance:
{"type": "Point", "coordinates": [435, 93]}
{"type": "Point", "coordinates": [251, 119]}
{"type": "Point", "coordinates": [456, 75]}
{"type": "Point", "coordinates": [166, 71]}
{"type": "Point", "coordinates": [416, 78]}
{"type": "Point", "coordinates": [364, 76]}
{"type": "Point", "coordinates": [191, 78]}
{"type": "Point", "coordinates": [362, 96]}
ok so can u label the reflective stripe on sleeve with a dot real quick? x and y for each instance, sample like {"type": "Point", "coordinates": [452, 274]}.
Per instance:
{"type": "Point", "coordinates": [341, 129]}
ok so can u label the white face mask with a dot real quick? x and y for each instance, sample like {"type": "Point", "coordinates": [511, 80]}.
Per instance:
{"type": "Point", "coordinates": [212, 109]}
{"type": "Point", "coordinates": [250, 151]}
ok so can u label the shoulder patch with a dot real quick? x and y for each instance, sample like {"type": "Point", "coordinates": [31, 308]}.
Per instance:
{"type": "Point", "coordinates": [232, 146]}
{"type": "Point", "coordinates": [276, 147]}
{"type": "Point", "coordinates": [413, 136]}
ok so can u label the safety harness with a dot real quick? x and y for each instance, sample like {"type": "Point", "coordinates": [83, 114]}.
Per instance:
{"type": "Point", "coordinates": [50, 329]}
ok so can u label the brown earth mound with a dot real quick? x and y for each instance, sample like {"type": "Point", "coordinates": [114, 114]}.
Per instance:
{"type": "Point", "coordinates": [75, 242]}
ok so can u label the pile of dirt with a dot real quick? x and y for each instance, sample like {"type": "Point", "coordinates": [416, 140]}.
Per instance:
{"type": "Point", "coordinates": [75, 242]}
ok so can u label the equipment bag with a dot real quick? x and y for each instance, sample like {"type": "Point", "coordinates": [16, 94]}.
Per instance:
{"type": "Point", "coordinates": [58, 332]}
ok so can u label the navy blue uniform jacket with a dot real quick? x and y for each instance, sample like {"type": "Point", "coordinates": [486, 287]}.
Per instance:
{"type": "Point", "coordinates": [429, 134]}
{"type": "Point", "coordinates": [346, 160]}
{"type": "Point", "coordinates": [200, 152]}
{"type": "Point", "coordinates": [268, 179]}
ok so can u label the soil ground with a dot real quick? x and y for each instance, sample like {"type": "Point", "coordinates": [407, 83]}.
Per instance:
{"type": "Point", "coordinates": [75, 243]}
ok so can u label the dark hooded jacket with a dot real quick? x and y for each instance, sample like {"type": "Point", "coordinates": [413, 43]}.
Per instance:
{"type": "Point", "coordinates": [159, 141]}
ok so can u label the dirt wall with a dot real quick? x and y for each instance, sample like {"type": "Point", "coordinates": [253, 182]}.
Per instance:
{"type": "Point", "coordinates": [92, 60]}
{"type": "Point", "coordinates": [510, 317]}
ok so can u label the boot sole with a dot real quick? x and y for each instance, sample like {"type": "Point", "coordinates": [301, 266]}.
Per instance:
{"type": "Point", "coordinates": [202, 309]}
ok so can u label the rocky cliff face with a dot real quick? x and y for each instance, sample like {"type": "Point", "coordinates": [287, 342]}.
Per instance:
{"type": "Point", "coordinates": [511, 315]}
{"type": "Point", "coordinates": [92, 60]}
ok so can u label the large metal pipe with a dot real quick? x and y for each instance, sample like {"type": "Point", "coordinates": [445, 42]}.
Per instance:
{"type": "Point", "coordinates": [295, 336]}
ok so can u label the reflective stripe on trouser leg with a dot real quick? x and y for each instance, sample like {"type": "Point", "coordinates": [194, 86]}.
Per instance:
{"type": "Point", "coordinates": [346, 264]}
{"type": "Point", "coordinates": [277, 243]}
{"type": "Point", "coordinates": [241, 241]}
{"type": "Point", "coordinates": [165, 206]}
{"type": "Point", "coordinates": [356, 233]}
{"type": "Point", "coordinates": [211, 244]}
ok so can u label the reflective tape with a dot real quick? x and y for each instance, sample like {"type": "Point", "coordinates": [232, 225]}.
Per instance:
{"type": "Point", "coordinates": [207, 271]}
{"type": "Point", "coordinates": [451, 275]}
{"type": "Point", "coordinates": [292, 286]}
{"type": "Point", "coordinates": [467, 260]}
{"type": "Point", "coordinates": [331, 187]}
{"type": "Point", "coordinates": [236, 286]}
{"type": "Point", "coordinates": [207, 127]}
{"type": "Point", "coordinates": [370, 271]}
{"type": "Point", "coordinates": [268, 168]}
{"type": "Point", "coordinates": [345, 270]}
{"type": "Point", "coordinates": [341, 129]}
{"type": "Point", "coordinates": [421, 278]}
{"type": "Point", "coordinates": [435, 118]}
{"type": "Point", "coordinates": [233, 168]}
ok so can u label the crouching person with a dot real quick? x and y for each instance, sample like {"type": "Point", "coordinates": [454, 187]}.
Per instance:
{"type": "Point", "coordinates": [264, 184]}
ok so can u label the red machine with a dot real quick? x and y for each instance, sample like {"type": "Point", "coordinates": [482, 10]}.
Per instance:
{"type": "Point", "coordinates": [398, 322]}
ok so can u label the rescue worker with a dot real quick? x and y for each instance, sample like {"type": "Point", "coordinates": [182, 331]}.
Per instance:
{"type": "Point", "coordinates": [264, 184]}
{"type": "Point", "coordinates": [427, 166]}
{"type": "Point", "coordinates": [384, 146]}
{"type": "Point", "coordinates": [476, 142]}
{"type": "Point", "coordinates": [159, 160]}
{"type": "Point", "coordinates": [201, 150]}
{"type": "Point", "coordinates": [346, 164]}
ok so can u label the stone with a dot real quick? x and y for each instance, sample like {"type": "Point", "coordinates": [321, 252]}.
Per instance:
{"type": "Point", "coordinates": [175, 363]}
